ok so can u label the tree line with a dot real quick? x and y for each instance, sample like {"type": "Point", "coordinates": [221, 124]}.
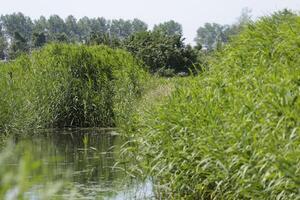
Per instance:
{"type": "Point", "coordinates": [212, 35]}
{"type": "Point", "coordinates": [162, 48]}
{"type": "Point", "coordinates": [20, 33]}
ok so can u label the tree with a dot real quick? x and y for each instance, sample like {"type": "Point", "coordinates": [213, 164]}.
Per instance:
{"type": "Point", "coordinates": [213, 35]}
{"type": "Point", "coordinates": [38, 39]}
{"type": "Point", "coordinates": [99, 25]}
{"type": "Point", "coordinates": [40, 25]}
{"type": "Point", "coordinates": [84, 27]}
{"type": "Point", "coordinates": [161, 51]}
{"type": "Point", "coordinates": [104, 39]}
{"type": "Point", "coordinates": [3, 45]}
{"type": "Point", "coordinates": [55, 28]}
{"type": "Point", "coordinates": [61, 37]}
{"type": "Point", "coordinates": [170, 28]}
{"type": "Point", "coordinates": [18, 46]}
{"type": "Point", "coordinates": [72, 28]}
{"type": "Point", "coordinates": [138, 26]}
{"type": "Point", "coordinates": [17, 22]}
{"type": "Point", "coordinates": [56, 25]}
{"type": "Point", "coordinates": [121, 28]}
{"type": "Point", "coordinates": [210, 35]}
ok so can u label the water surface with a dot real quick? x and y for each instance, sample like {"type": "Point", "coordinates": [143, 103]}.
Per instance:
{"type": "Point", "coordinates": [89, 158]}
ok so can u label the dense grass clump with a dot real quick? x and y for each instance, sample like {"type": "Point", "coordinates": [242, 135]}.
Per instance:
{"type": "Point", "coordinates": [68, 85]}
{"type": "Point", "coordinates": [233, 132]}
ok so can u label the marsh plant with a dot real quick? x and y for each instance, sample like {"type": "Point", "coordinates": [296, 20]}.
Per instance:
{"type": "Point", "coordinates": [232, 132]}
{"type": "Point", "coordinates": [68, 86]}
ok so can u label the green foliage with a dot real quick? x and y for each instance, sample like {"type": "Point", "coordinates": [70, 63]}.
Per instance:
{"type": "Point", "coordinates": [38, 39]}
{"type": "Point", "coordinates": [159, 50]}
{"type": "Point", "coordinates": [55, 25]}
{"type": "Point", "coordinates": [213, 36]}
{"type": "Point", "coordinates": [233, 132]}
{"type": "Point", "coordinates": [122, 29]}
{"type": "Point", "coordinates": [17, 22]}
{"type": "Point", "coordinates": [61, 37]}
{"type": "Point", "coordinates": [3, 45]}
{"type": "Point", "coordinates": [56, 29]}
{"type": "Point", "coordinates": [138, 26]}
{"type": "Point", "coordinates": [68, 85]}
{"type": "Point", "coordinates": [170, 28]}
{"type": "Point", "coordinates": [72, 28]}
{"type": "Point", "coordinates": [18, 46]}
{"type": "Point", "coordinates": [104, 39]}
{"type": "Point", "coordinates": [40, 25]}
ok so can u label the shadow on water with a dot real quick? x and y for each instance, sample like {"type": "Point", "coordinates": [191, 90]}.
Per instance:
{"type": "Point", "coordinates": [89, 157]}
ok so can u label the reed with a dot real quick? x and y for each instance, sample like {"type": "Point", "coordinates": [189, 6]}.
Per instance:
{"type": "Point", "coordinates": [232, 132]}
{"type": "Point", "coordinates": [65, 85]}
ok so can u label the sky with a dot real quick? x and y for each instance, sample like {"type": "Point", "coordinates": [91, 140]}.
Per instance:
{"type": "Point", "coordinates": [190, 13]}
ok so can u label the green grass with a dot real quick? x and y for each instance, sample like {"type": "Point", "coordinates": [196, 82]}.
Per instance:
{"type": "Point", "coordinates": [233, 132]}
{"type": "Point", "coordinates": [68, 86]}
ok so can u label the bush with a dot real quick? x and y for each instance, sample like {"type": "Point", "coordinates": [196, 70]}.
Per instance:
{"type": "Point", "coordinates": [68, 85]}
{"type": "Point", "coordinates": [232, 132]}
{"type": "Point", "coordinates": [159, 50]}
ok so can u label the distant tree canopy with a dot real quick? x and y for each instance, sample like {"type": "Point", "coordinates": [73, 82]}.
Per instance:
{"type": "Point", "coordinates": [3, 45]}
{"type": "Point", "coordinates": [124, 28]}
{"type": "Point", "coordinates": [170, 28]}
{"type": "Point", "coordinates": [18, 46]}
{"type": "Point", "coordinates": [17, 22]}
{"type": "Point", "coordinates": [36, 33]}
{"type": "Point", "coordinates": [212, 35]}
{"type": "Point", "coordinates": [159, 51]}
{"type": "Point", "coordinates": [38, 39]}
{"type": "Point", "coordinates": [162, 49]}
{"type": "Point", "coordinates": [104, 39]}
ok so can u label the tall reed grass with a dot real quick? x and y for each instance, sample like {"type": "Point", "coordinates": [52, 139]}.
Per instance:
{"type": "Point", "coordinates": [68, 85]}
{"type": "Point", "coordinates": [233, 132]}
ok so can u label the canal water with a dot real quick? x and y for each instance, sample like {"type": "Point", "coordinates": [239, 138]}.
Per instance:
{"type": "Point", "coordinates": [88, 160]}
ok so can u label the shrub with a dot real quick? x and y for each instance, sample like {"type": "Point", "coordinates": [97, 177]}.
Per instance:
{"type": "Point", "coordinates": [232, 132]}
{"type": "Point", "coordinates": [159, 50]}
{"type": "Point", "coordinates": [68, 85]}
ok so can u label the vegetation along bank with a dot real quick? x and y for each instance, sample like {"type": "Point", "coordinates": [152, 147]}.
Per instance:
{"type": "Point", "coordinates": [64, 85]}
{"type": "Point", "coordinates": [233, 131]}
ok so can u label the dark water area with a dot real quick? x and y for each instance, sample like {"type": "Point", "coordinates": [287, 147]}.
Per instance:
{"type": "Point", "coordinates": [88, 158]}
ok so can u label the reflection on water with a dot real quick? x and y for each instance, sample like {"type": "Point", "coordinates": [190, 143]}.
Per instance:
{"type": "Point", "coordinates": [90, 157]}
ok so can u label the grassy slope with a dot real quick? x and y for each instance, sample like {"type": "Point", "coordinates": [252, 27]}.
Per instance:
{"type": "Point", "coordinates": [233, 132]}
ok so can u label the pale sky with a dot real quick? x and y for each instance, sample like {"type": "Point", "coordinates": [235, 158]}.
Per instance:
{"type": "Point", "coordinates": [190, 13]}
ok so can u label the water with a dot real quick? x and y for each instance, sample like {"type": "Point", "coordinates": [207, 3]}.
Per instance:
{"type": "Point", "coordinates": [88, 159]}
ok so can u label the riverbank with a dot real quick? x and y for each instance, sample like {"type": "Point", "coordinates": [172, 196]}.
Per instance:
{"type": "Point", "coordinates": [233, 131]}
